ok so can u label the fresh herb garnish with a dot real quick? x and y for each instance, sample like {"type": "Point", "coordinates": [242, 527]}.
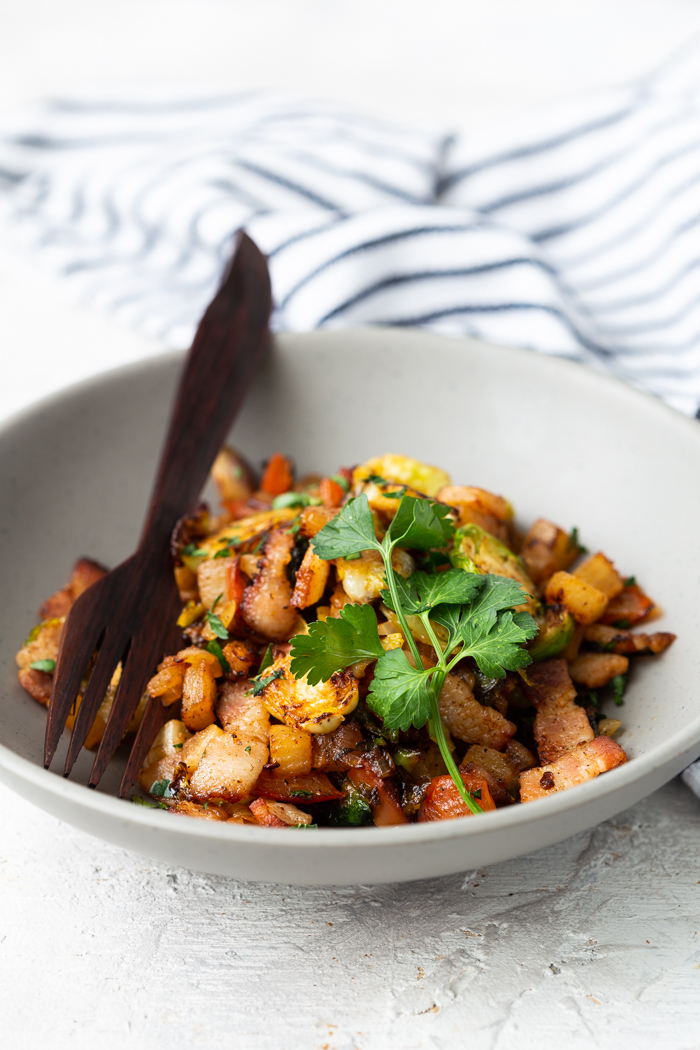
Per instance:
{"type": "Point", "coordinates": [138, 801]}
{"type": "Point", "coordinates": [178, 746]}
{"type": "Point", "coordinates": [298, 793]}
{"type": "Point", "coordinates": [260, 682]}
{"type": "Point", "coordinates": [574, 542]}
{"type": "Point", "coordinates": [303, 825]}
{"type": "Point", "coordinates": [249, 749]}
{"type": "Point", "coordinates": [49, 666]}
{"type": "Point", "coordinates": [205, 805]}
{"type": "Point", "coordinates": [473, 615]}
{"type": "Point", "coordinates": [215, 649]}
{"type": "Point", "coordinates": [631, 581]}
{"type": "Point", "coordinates": [193, 551]}
{"type": "Point", "coordinates": [227, 550]}
{"type": "Point", "coordinates": [215, 623]}
{"type": "Point", "coordinates": [161, 788]}
{"type": "Point", "coordinates": [619, 684]}
{"type": "Point", "coordinates": [295, 499]}
{"type": "Point", "coordinates": [266, 660]}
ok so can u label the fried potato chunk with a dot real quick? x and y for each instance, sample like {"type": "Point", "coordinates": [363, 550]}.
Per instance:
{"type": "Point", "coordinates": [469, 720]}
{"type": "Point", "coordinates": [584, 601]}
{"type": "Point", "coordinates": [594, 670]}
{"type": "Point", "coordinates": [290, 751]}
{"type": "Point", "coordinates": [311, 580]}
{"type": "Point", "coordinates": [364, 579]}
{"type": "Point", "coordinates": [266, 606]}
{"type": "Point", "coordinates": [574, 767]}
{"type": "Point", "coordinates": [560, 724]}
{"type": "Point", "coordinates": [315, 708]}
{"type": "Point", "coordinates": [198, 696]}
{"type": "Point", "coordinates": [165, 754]}
{"type": "Point", "coordinates": [227, 766]}
{"type": "Point", "coordinates": [600, 572]}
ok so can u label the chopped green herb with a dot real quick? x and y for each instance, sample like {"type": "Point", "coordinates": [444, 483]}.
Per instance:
{"type": "Point", "coordinates": [193, 551]}
{"type": "Point", "coordinates": [161, 788]}
{"type": "Point", "coordinates": [138, 801]}
{"type": "Point", "coordinates": [216, 625]}
{"type": "Point", "coordinates": [593, 698]}
{"type": "Point", "coordinates": [227, 551]}
{"type": "Point", "coordinates": [624, 624]}
{"type": "Point", "coordinates": [249, 748]}
{"type": "Point", "coordinates": [619, 684]}
{"type": "Point", "coordinates": [631, 581]}
{"type": "Point", "coordinates": [33, 634]}
{"type": "Point", "coordinates": [259, 544]}
{"type": "Point", "coordinates": [259, 683]}
{"type": "Point", "coordinates": [298, 793]}
{"type": "Point", "coordinates": [295, 499]}
{"type": "Point", "coordinates": [477, 793]}
{"type": "Point", "coordinates": [49, 666]}
{"type": "Point", "coordinates": [178, 746]}
{"type": "Point", "coordinates": [295, 526]}
{"type": "Point", "coordinates": [266, 660]}
{"type": "Point", "coordinates": [574, 542]}
{"type": "Point", "coordinates": [215, 649]}
{"type": "Point", "coordinates": [303, 825]}
{"type": "Point", "coordinates": [205, 805]}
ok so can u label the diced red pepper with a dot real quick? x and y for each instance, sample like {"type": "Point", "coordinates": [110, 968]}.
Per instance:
{"type": "Point", "coordinates": [630, 606]}
{"type": "Point", "coordinates": [278, 477]}
{"type": "Point", "coordinates": [315, 787]}
{"type": "Point", "coordinates": [383, 797]}
{"type": "Point", "coordinates": [331, 493]}
{"type": "Point", "coordinates": [444, 802]}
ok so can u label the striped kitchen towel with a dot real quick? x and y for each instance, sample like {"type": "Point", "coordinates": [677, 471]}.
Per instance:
{"type": "Point", "coordinates": [575, 232]}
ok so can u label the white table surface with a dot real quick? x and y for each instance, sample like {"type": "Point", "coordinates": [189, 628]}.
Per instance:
{"type": "Point", "coordinates": [595, 940]}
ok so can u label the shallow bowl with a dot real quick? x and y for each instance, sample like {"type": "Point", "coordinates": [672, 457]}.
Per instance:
{"type": "Point", "coordinates": [557, 439]}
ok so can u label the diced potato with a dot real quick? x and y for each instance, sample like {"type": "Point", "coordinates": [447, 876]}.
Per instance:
{"type": "Point", "coordinates": [240, 656]}
{"type": "Point", "coordinates": [594, 670]}
{"type": "Point", "coordinates": [547, 549]}
{"type": "Point", "coordinates": [167, 684]}
{"type": "Point", "coordinates": [600, 572]}
{"type": "Point", "coordinates": [404, 470]}
{"type": "Point", "coordinates": [468, 720]}
{"type": "Point", "coordinates": [165, 754]}
{"type": "Point", "coordinates": [315, 708]}
{"type": "Point", "coordinates": [609, 726]}
{"type": "Point", "coordinates": [572, 768]}
{"type": "Point", "coordinates": [227, 767]}
{"type": "Point", "coordinates": [311, 580]}
{"type": "Point", "coordinates": [584, 601]}
{"type": "Point", "coordinates": [290, 751]}
{"type": "Point", "coordinates": [313, 519]}
{"type": "Point", "coordinates": [444, 802]}
{"type": "Point", "coordinates": [198, 696]}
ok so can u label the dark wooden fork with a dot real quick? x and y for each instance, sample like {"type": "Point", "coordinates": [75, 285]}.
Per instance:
{"type": "Point", "coordinates": [130, 615]}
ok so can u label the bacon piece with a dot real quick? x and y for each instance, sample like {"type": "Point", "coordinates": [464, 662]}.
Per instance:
{"type": "Point", "coordinates": [574, 767]}
{"type": "Point", "coordinates": [631, 606]}
{"type": "Point", "coordinates": [265, 815]}
{"type": "Point", "coordinates": [444, 802]}
{"type": "Point", "coordinates": [559, 723]}
{"type": "Point", "coordinates": [618, 640]}
{"type": "Point", "coordinates": [85, 573]}
{"type": "Point", "coordinates": [37, 683]}
{"type": "Point", "coordinates": [469, 720]}
{"type": "Point", "coordinates": [242, 713]}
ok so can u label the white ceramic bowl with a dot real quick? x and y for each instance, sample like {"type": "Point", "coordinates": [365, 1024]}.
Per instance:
{"type": "Point", "coordinates": [558, 440]}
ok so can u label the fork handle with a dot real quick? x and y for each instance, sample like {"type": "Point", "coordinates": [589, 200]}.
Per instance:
{"type": "Point", "coordinates": [229, 343]}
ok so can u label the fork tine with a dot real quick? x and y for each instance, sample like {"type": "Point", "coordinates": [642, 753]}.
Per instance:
{"type": "Point", "coordinates": [110, 653]}
{"type": "Point", "coordinates": [153, 718]}
{"type": "Point", "coordinates": [138, 668]}
{"type": "Point", "coordinates": [71, 666]}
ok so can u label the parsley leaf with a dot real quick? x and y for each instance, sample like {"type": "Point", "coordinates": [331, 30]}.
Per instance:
{"type": "Point", "coordinates": [139, 801]}
{"type": "Point", "coordinates": [336, 643]}
{"type": "Point", "coordinates": [259, 683]}
{"type": "Point", "coordinates": [267, 660]}
{"type": "Point", "coordinates": [193, 551]}
{"type": "Point", "coordinates": [422, 591]}
{"type": "Point", "coordinates": [350, 532]}
{"type": "Point", "coordinates": [399, 693]}
{"type": "Point", "coordinates": [619, 684]}
{"type": "Point", "coordinates": [161, 788]}
{"type": "Point", "coordinates": [216, 625]}
{"type": "Point", "coordinates": [215, 649]}
{"type": "Point", "coordinates": [49, 666]}
{"type": "Point", "coordinates": [421, 524]}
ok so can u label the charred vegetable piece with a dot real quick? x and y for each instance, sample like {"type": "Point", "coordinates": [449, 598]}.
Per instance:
{"type": "Point", "coordinates": [443, 802]}
{"type": "Point", "coordinates": [351, 811]}
{"type": "Point", "coordinates": [555, 634]}
{"type": "Point", "coordinates": [631, 606]}
{"type": "Point", "coordinates": [278, 476]}
{"type": "Point", "coordinates": [316, 787]}
{"type": "Point", "coordinates": [618, 640]}
{"type": "Point", "coordinates": [547, 549]}
{"type": "Point", "coordinates": [477, 551]}
{"type": "Point", "coordinates": [381, 795]}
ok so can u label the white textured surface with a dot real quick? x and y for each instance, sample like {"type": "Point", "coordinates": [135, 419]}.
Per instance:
{"type": "Point", "coordinates": [593, 942]}
{"type": "Point", "coordinates": [596, 939]}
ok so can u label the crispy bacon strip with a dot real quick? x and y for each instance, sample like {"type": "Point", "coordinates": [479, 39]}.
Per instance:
{"type": "Point", "coordinates": [559, 724]}
{"type": "Point", "coordinates": [574, 767]}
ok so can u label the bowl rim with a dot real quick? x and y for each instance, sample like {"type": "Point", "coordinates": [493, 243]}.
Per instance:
{"type": "Point", "coordinates": [684, 742]}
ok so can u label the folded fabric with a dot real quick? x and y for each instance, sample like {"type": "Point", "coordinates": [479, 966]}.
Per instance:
{"type": "Point", "coordinates": [572, 232]}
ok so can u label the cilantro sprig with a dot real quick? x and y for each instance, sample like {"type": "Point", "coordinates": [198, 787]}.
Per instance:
{"type": "Point", "coordinates": [463, 613]}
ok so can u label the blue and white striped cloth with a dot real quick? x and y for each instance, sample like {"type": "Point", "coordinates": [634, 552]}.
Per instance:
{"type": "Point", "coordinates": [574, 232]}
